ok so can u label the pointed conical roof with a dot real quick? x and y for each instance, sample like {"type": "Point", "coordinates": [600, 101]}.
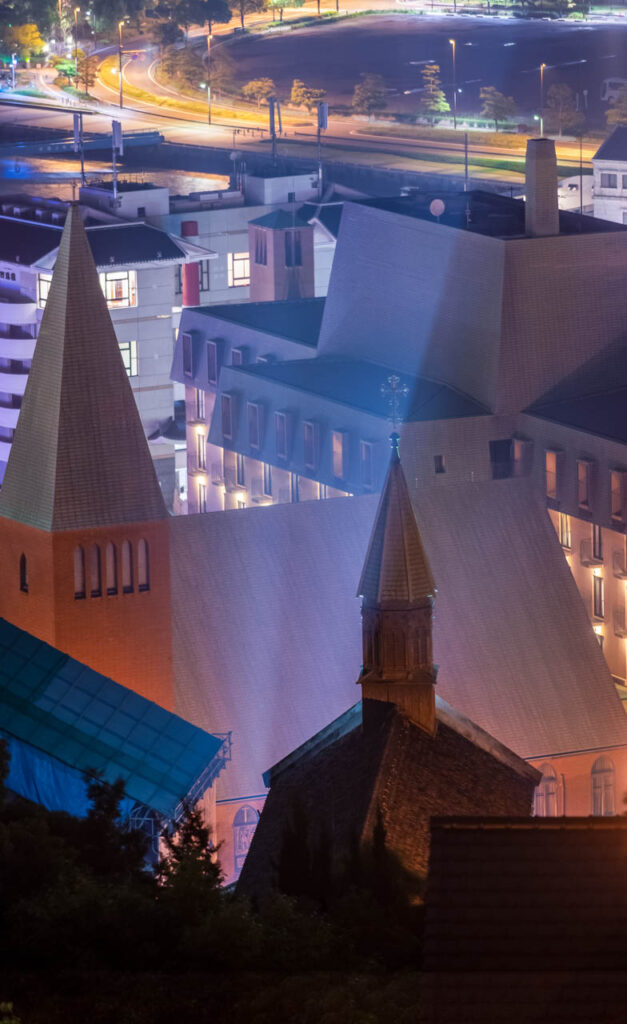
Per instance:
{"type": "Point", "coordinates": [396, 570]}
{"type": "Point", "coordinates": [79, 457]}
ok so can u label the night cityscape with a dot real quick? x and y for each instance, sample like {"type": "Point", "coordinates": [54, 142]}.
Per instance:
{"type": "Point", "coordinates": [313, 511]}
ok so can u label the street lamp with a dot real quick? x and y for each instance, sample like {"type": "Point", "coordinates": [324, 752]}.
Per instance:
{"type": "Point", "coordinates": [76, 14]}
{"type": "Point", "coordinates": [208, 74]}
{"type": "Point", "coordinates": [120, 23]}
{"type": "Point", "coordinates": [452, 42]}
{"type": "Point", "coordinates": [542, 67]}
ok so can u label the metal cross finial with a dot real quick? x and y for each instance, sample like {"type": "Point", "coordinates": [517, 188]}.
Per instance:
{"type": "Point", "coordinates": [393, 390]}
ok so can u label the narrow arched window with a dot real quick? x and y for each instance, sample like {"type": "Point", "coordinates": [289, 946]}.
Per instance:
{"type": "Point", "coordinates": [95, 577]}
{"type": "Point", "coordinates": [547, 793]}
{"type": "Point", "coordinates": [111, 568]}
{"type": "Point", "coordinates": [127, 567]}
{"type": "Point", "coordinates": [143, 566]}
{"type": "Point", "coordinates": [23, 574]}
{"type": "Point", "coordinates": [603, 787]}
{"type": "Point", "coordinates": [244, 825]}
{"type": "Point", "coordinates": [79, 572]}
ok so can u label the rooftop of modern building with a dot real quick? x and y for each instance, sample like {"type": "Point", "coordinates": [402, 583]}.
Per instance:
{"type": "Point", "coordinates": [593, 398]}
{"type": "Point", "coordinates": [358, 385]}
{"type": "Point", "coordinates": [280, 220]}
{"type": "Point", "coordinates": [615, 146]}
{"type": "Point", "coordinates": [293, 319]}
{"type": "Point", "coordinates": [485, 213]}
{"type": "Point", "coordinates": [122, 185]}
{"type": "Point", "coordinates": [281, 174]}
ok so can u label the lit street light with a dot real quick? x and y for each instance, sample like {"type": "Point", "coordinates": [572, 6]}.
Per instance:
{"type": "Point", "coordinates": [542, 67]}
{"type": "Point", "coordinates": [120, 24]}
{"type": "Point", "coordinates": [452, 42]}
{"type": "Point", "coordinates": [208, 74]}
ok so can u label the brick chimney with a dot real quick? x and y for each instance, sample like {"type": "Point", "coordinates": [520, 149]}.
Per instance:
{"type": "Point", "coordinates": [541, 209]}
{"type": "Point", "coordinates": [190, 275]}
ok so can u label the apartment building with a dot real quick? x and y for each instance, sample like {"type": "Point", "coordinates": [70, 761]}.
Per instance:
{"type": "Point", "coordinates": [610, 177]}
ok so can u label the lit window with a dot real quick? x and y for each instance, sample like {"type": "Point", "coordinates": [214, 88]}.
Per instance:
{"type": "Point", "coordinates": [244, 825]}
{"type": "Point", "coordinates": [616, 488]}
{"type": "Point", "coordinates": [603, 787]}
{"type": "Point", "coordinates": [261, 246]}
{"type": "Point", "coordinates": [310, 445]}
{"type": "Point", "coordinates": [439, 463]}
{"type": "Point", "coordinates": [338, 453]}
{"type": "Point", "coordinates": [267, 480]}
{"type": "Point", "coordinates": [280, 425]}
{"type": "Point", "coordinates": [254, 429]}
{"type": "Point", "coordinates": [240, 470]}
{"type": "Point", "coordinates": [598, 597]}
{"type": "Point", "coordinates": [188, 354]}
{"type": "Point", "coordinates": [119, 287]}
{"type": "Point", "coordinates": [609, 180]}
{"type": "Point", "coordinates": [546, 793]}
{"type": "Point", "coordinates": [23, 574]}
{"type": "Point", "coordinates": [128, 351]}
{"type": "Point", "coordinates": [597, 542]}
{"type": "Point", "coordinates": [143, 566]}
{"type": "Point", "coordinates": [127, 567]}
{"type": "Point", "coordinates": [79, 573]}
{"type": "Point", "coordinates": [564, 530]}
{"type": "Point", "coordinates": [294, 487]}
{"type": "Point", "coordinates": [201, 451]}
{"type": "Point", "coordinates": [226, 408]}
{"type": "Point", "coordinates": [202, 497]}
{"type": "Point", "coordinates": [200, 404]}
{"type": "Point", "coordinates": [365, 463]}
{"type": "Point", "coordinates": [95, 582]}
{"type": "Point", "coordinates": [550, 473]}
{"type": "Point", "coordinates": [212, 362]}
{"type": "Point", "coordinates": [293, 249]}
{"type": "Point", "coordinates": [238, 268]}
{"type": "Point", "coordinates": [43, 287]}
{"type": "Point", "coordinates": [241, 503]}
{"type": "Point", "coordinates": [111, 568]}
{"type": "Point", "coordinates": [583, 483]}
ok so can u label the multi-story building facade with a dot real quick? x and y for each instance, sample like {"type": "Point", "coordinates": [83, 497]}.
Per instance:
{"type": "Point", "coordinates": [610, 177]}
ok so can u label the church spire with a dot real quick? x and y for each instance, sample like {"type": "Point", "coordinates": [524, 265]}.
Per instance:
{"type": "Point", "coordinates": [79, 458]}
{"type": "Point", "coordinates": [398, 591]}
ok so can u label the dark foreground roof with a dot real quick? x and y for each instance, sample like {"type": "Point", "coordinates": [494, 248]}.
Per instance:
{"type": "Point", "coordinates": [358, 384]}
{"type": "Point", "coordinates": [293, 319]}
{"type": "Point", "coordinates": [615, 146]}
{"type": "Point", "coordinates": [64, 710]}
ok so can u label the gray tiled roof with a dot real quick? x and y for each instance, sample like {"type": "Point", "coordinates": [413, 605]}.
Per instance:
{"type": "Point", "coordinates": [280, 219]}
{"type": "Point", "coordinates": [295, 319]}
{"type": "Point", "coordinates": [615, 146]}
{"type": "Point", "coordinates": [79, 457]}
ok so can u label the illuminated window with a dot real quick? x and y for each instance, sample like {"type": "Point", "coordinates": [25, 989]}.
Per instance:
{"type": "Point", "coordinates": [241, 503]}
{"type": "Point", "coordinates": [254, 427]}
{"type": "Point", "coordinates": [546, 799]}
{"type": "Point", "coordinates": [597, 542]}
{"type": "Point", "coordinates": [95, 582]}
{"type": "Point", "coordinates": [244, 825]}
{"type": "Point", "coordinates": [111, 569]}
{"type": "Point", "coordinates": [202, 497]}
{"type": "Point", "coordinates": [261, 246]}
{"type": "Point", "coordinates": [128, 584]}
{"type": "Point", "coordinates": [365, 463]}
{"type": "Point", "coordinates": [616, 487]}
{"type": "Point", "coordinates": [564, 530]}
{"type": "Point", "coordinates": [201, 451]}
{"type": "Point", "coordinates": [280, 426]}
{"type": "Point", "coordinates": [338, 453]}
{"type": "Point", "coordinates": [609, 180]}
{"type": "Point", "coordinates": [603, 787]}
{"type": "Point", "coordinates": [23, 574]}
{"type": "Point", "coordinates": [128, 351]}
{"type": "Point", "coordinates": [293, 249]}
{"type": "Point", "coordinates": [226, 409]}
{"type": "Point", "coordinates": [238, 269]}
{"type": "Point", "coordinates": [267, 480]}
{"type": "Point", "coordinates": [598, 597]}
{"type": "Point", "coordinates": [310, 445]}
{"type": "Point", "coordinates": [200, 404]}
{"type": "Point", "coordinates": [188, 354]}
{"type": "Point", "coordinates": [439, 463]}
{"type": "Point", "coordinates": [43, 287]}
{"type": "Point", "coordinates": [212, 362]}
{"type": "Point", "coordinates": [240, 470]}
{"type": "Point", "coordinates": [583, 483]}
{"type": "Point", "coordinates": [143, 566]}
{"type": "Point", "coordinates": [119, 287]}
{"type": "Point", "coordinates": [79, 572]}
{"type": "Point", "coordinates": [550, 473]}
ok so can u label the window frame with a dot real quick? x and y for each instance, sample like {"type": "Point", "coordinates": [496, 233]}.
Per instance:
{"type": "Point", "coordinates": [310, 447]}
{"type": "Point", "coordinates": [128, 281]}
{"type": "Point", "coordinates": [607, 183]}
{"type": "Point", "coordinates": [282, 418]}
{"type": "Point", "coordinates": [187, 353]}
{"type": "Point", "coordinates": [598, 597]}
{"type": "Point", "coordinates": [213, 362]}
{"type": "Point", "coordinates": [128, 351]}
{"type": "Point", "coordinates": [43, 286]}
{"type": "Point", "coordinates": [226, 415]}
{"type": "Point", "coordinates": [342, 436]}
{"type": "Point", "coordinates": [253, 419]}
{"type": "Point", "coordinates": [238, 269]}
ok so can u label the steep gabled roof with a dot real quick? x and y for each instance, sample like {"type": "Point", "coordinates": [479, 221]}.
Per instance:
{"type": "Point", "coordinates": [615, 146]}
{"type": "Point", "coordinates": [79, 458]}
{"type": "Point", "coordinates": [396, 570]}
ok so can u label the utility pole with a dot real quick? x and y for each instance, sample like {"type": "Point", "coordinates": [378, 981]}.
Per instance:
{"type": "Point", "coordinates": [117, 148]}
{"type": "Point", "coordinates": [76, 14]}
{"type": "Point", "coordinates": [120, 23]}
{"type": "Point", "coordinates": [465, 161]}
{"type": "Point", "coordinates": [542, 67]}
{"type": "Point", "coordinates": [78, 143]}
{"type": "Point", "coordinates": [323, 124]}
{"type": "Point", "coordinates": [452, 42]}
{"type": "Point", "coordinates": [208, 74]}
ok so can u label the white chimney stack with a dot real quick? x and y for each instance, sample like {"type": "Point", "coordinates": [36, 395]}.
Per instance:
{"type": "Point", "coordinates": [541, 209]}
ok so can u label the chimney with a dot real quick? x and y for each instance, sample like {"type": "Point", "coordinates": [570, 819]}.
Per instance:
{"type": "Point", "coordinates": [541, 209]}
{"type": "Point", "coordinates": [190, 271]}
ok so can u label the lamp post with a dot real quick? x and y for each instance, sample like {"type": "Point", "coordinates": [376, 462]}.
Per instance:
{"type": "Point", "coordinates": [13, 62]}
{"type": "Point", "coordinates": [208, 74]}
{"type": "Point", "coordinates": [452, 42]}
{"type": "Point", "coordinates": [120, 23]}
{"type": "Point", "coordinates": [542, 67]}
{"type": "Point", "coordinates": [76, 14]}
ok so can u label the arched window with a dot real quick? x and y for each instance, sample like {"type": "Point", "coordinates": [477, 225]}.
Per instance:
{"type": "Point", "coordinates": [23, 574]}
{"type": "Point", "coordinates": [127, 567]}
{"type": "Point", "coordinates": [95, 579]}
{"type": "Point", "coordinates": [244, 825]}
{"type": "Point", "coordinates": [143, 566]}
{"type": "Point", "coordinates": [79, 572]}
{"type": "Point", "coordinates": [603, 787]}
{"type": "Point", "coordinates": [111, 568]}
{"type": "Point", "coordinates": [547, 793]}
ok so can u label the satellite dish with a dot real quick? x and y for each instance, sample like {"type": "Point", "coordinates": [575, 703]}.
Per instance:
{"type": "Point", "coordinates": [436, 208]}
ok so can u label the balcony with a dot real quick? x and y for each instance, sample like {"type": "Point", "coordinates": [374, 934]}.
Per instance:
{"type": "Point", "coordinates": [257, 492]}
{"type": "Point", "coordinates": [586, 554]}
{"type": "Point", "coordinates": [619, 565]}
{"type": "Point", "coordinates": [620, 624]}
{"type": "Point", "coordinates": [17, 309]}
